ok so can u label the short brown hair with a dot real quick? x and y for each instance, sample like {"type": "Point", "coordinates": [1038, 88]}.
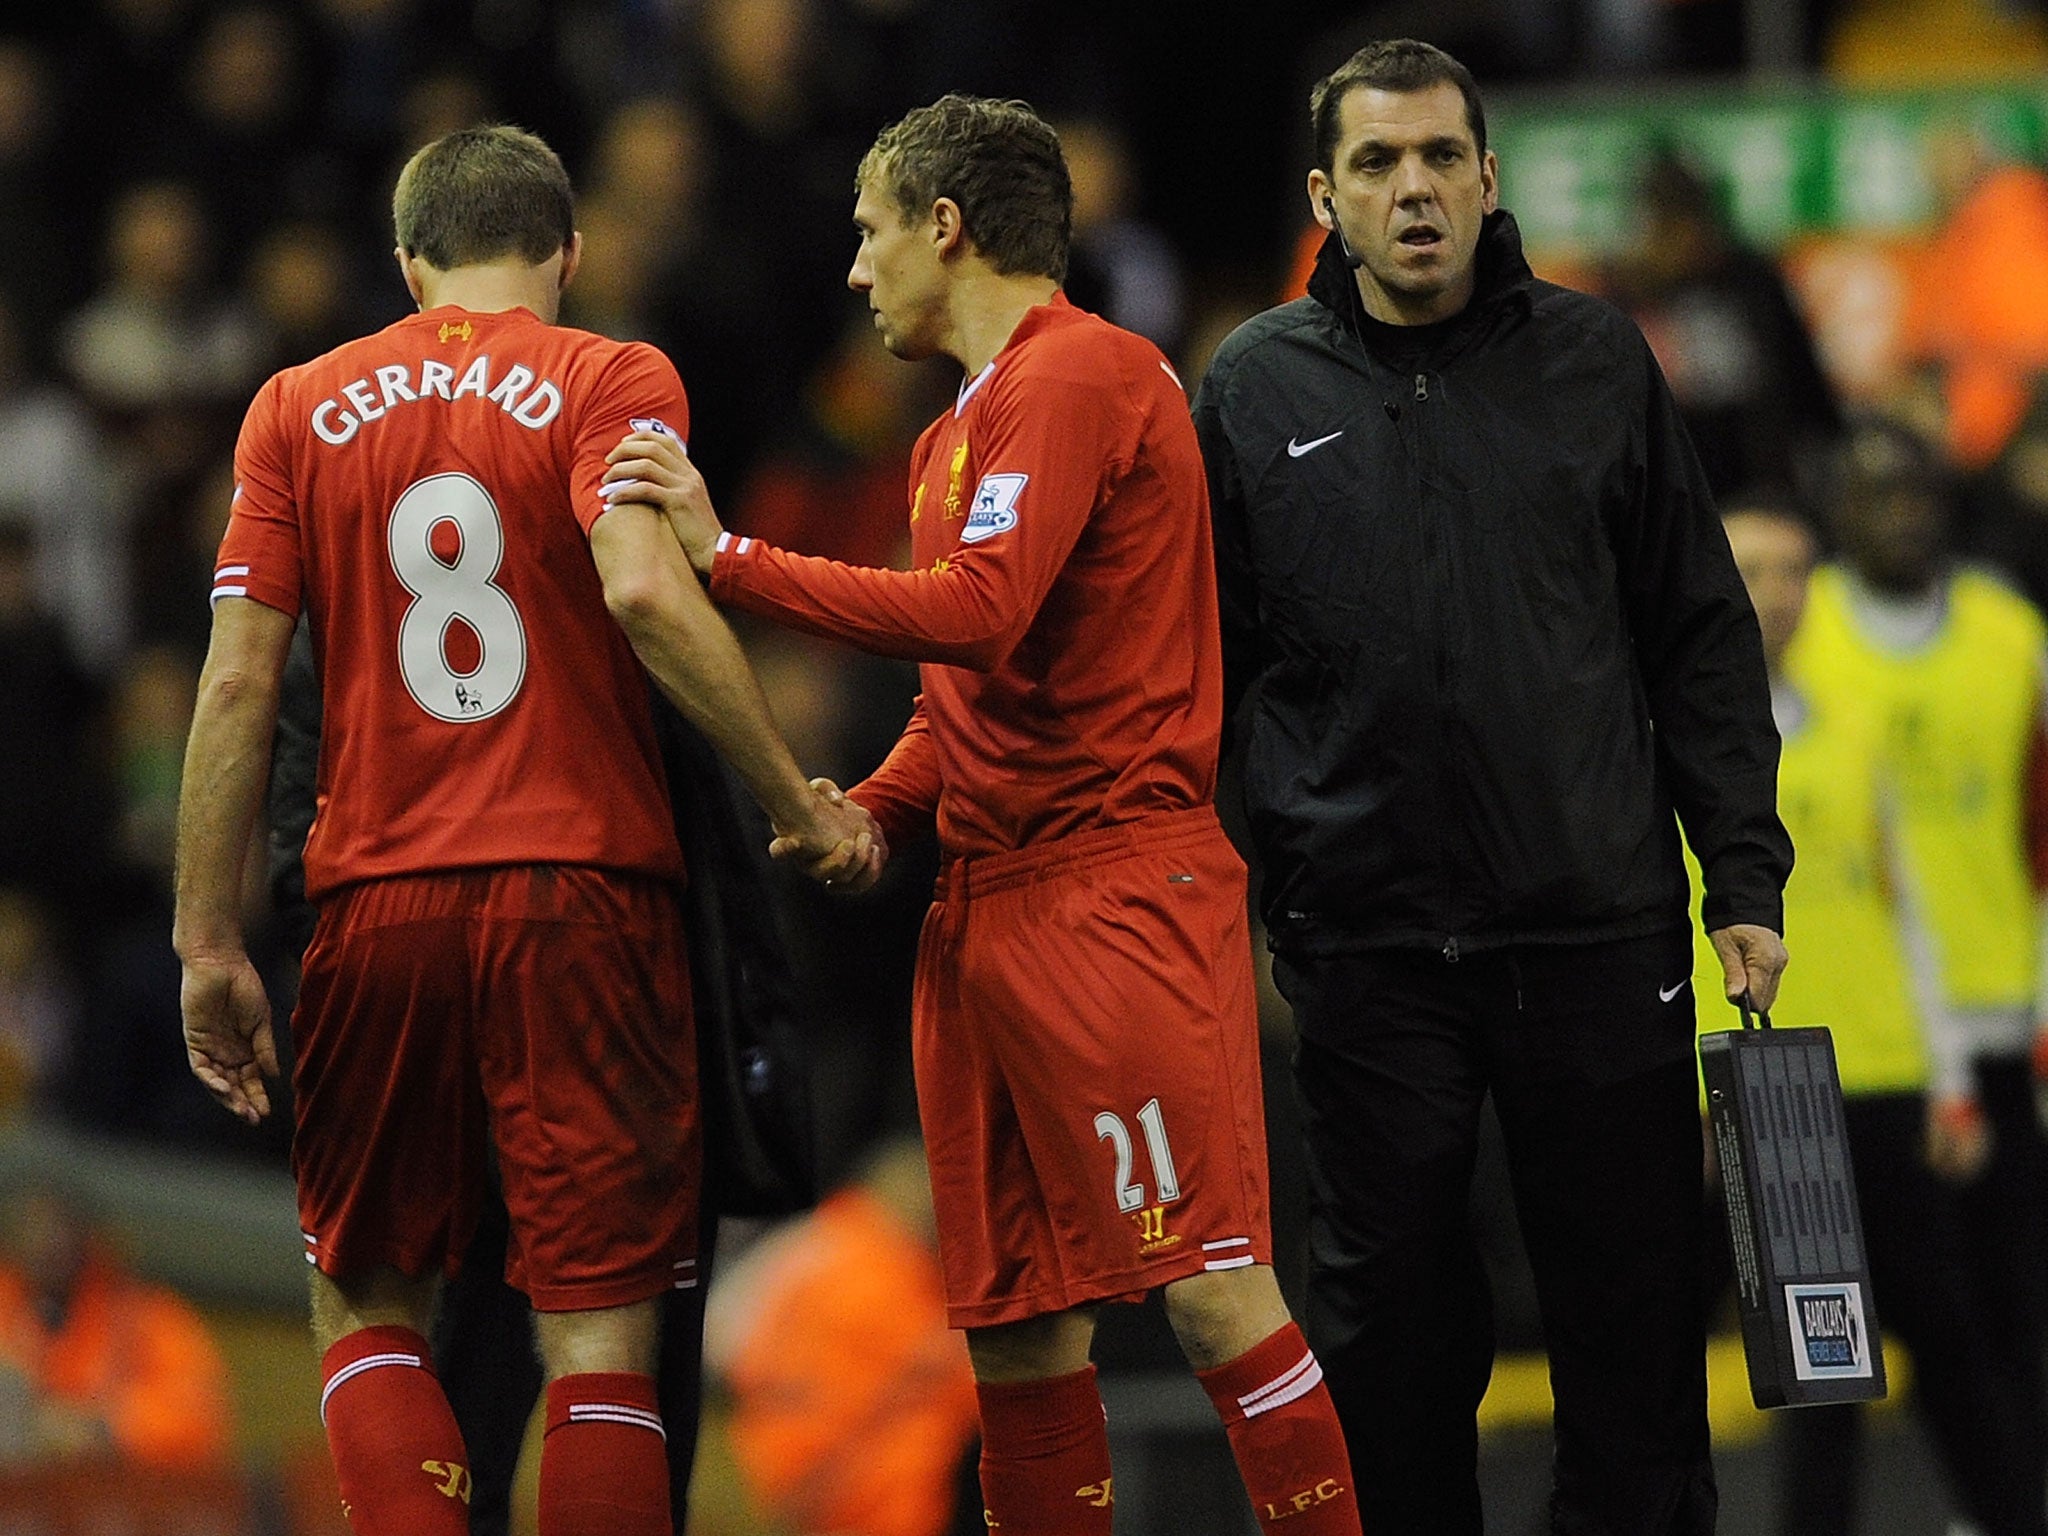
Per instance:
{"type": "Point", "coordinates": [999, 161]}
{"type": "Point", "coordinates": [1401, 65]}
{"type": "Point", "coordinates": [482, 194]}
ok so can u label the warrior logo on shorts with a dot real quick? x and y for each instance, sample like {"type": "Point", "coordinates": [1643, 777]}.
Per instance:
{"type": "Point", "coordinates": [1152, 1234]}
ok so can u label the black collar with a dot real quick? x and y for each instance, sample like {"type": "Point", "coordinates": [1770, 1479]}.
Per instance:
{"type": "Point", "coordinates": [1502, 276]}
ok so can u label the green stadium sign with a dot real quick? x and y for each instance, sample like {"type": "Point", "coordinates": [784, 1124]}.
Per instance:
{"type": "Point", "coordinates": [1787, 163]}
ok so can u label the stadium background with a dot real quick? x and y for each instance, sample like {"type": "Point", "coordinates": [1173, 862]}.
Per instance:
{"type": "Point", "coordinates": [193, 194]}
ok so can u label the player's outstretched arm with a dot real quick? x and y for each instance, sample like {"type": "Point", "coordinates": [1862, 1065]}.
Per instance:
{"type": "Point", "coordinates": [967, 610]}
{"type": "Point", "coordinates": [653, 467]}
{"type": "Point", "coordinates": [226, 1013]}
{"type": "Point", "coordinates": [696, 660]}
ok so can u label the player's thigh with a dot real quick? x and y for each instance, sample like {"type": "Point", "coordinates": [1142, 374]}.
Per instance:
{"type": "Point", "coordinates": [997, 1249]}
{"type": "Point", "coordinates": [588, 1056]}
{"type": "Point", "coordinates": [1124, 1002]}
{"type": "Point", "coordinates": [391, 1131]}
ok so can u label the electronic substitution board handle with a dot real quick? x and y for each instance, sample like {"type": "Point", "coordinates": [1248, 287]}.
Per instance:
{"type": "Point", "coordinates": [1762, 1016]}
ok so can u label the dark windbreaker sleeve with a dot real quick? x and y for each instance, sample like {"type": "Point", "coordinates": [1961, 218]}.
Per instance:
{"type": "Point", "coordinates": [1702, 664]}
{"type": "Point", "coordinates": [1237, 593]}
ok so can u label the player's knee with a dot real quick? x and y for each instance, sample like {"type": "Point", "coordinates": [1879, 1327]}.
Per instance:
{"type": "Point", "coordinates": [377, 1298]}
{"type": "Point", "coordinates": [602, 1339]}
{"type": "Point", "coordinates": [1218, 1315]}
{"type": "Point", "coordinates": [1036, 1349]}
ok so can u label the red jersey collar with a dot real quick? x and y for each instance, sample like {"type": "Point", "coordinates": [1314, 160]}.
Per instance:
{"type": "Point", "coordinates": [448, 315]}
{"type": "Point", "coordinates": [1039, 318]}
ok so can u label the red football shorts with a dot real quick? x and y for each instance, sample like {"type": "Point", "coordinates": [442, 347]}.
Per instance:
{"type": "Point", "coordinates": [543, 1008]}
{"type": "Point", "coordinates": [1086, 1037]}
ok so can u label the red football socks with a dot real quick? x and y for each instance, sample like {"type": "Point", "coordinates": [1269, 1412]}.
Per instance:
{"type": "Point", "coordinates": [398, 1455]}
{"type": "Point", "coordinates": [1045, 1457]}
{"type": "Point", "coordinates": [1283, 1430]}
{"type": "Point", "coordinates": [604, 1463]}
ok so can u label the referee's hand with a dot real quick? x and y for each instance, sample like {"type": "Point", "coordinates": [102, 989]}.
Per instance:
{"type": "Point", "coordinates": [1752, 960]}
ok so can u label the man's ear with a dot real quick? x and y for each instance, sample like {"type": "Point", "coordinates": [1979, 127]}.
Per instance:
{"type": "Point", "coordinates": [948, 226]}
{"type": "Point", "coordinates": [1489, 182]}
{"type": "Point", "coordinates": [1318, 194]}
{"type": "Point", "coordinates": [572, 258]}
{"type": "Point", "coordinates": [410, 273]}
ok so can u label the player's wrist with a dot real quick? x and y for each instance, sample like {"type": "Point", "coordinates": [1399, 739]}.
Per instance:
{"type": "Point", "coordinates": [208, 945]}
{"type": "Point", "coordinates": [801, 820]}
{"type": "Point", "coordinates": [724, 550]}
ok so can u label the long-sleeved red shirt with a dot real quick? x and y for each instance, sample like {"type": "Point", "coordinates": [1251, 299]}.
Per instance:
{"type": "Point", "coordinates": [1062, 598]}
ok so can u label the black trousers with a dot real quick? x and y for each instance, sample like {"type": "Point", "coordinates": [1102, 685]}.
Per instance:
{"type": "Point", "coordinates": [1976, 1386]}
{"type": "Point", "coordinates": [1588, 1053]}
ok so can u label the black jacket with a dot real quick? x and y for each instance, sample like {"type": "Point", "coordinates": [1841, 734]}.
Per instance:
{"type": "Point", "coordinates": [1495, 631]}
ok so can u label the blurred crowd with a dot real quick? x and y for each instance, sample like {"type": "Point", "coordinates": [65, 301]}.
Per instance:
{"type": "Point", "coordinates": [195, 194]}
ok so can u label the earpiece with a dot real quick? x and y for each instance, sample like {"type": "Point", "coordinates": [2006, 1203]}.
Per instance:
{"type": "Point", "coordinates": [1351, 258]}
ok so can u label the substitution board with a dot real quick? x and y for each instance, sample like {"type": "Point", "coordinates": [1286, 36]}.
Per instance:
{"type": "Point", "coordinates": [1802, 1275]}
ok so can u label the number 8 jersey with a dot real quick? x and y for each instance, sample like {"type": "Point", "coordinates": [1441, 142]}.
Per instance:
{"type": "Point", "coordinates": [425, 494]}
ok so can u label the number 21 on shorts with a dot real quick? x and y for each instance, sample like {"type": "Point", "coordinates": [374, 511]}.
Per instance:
{"type": "Point", "coordinates": [446, 589]}
{"type": "Point", "coordinates": [1111, 1128]}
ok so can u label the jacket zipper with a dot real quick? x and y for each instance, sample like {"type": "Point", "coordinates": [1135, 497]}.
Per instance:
{"type": "Point", "coordinates": [1450, 950]}
{"type": "Point", "coordinates": [1443, 672]}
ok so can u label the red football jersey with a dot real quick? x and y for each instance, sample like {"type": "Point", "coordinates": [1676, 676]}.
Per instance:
{"type": "Point", "coordinates": [1062, 600]}
{"type": "Point", "coordinates": [426, 494]}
